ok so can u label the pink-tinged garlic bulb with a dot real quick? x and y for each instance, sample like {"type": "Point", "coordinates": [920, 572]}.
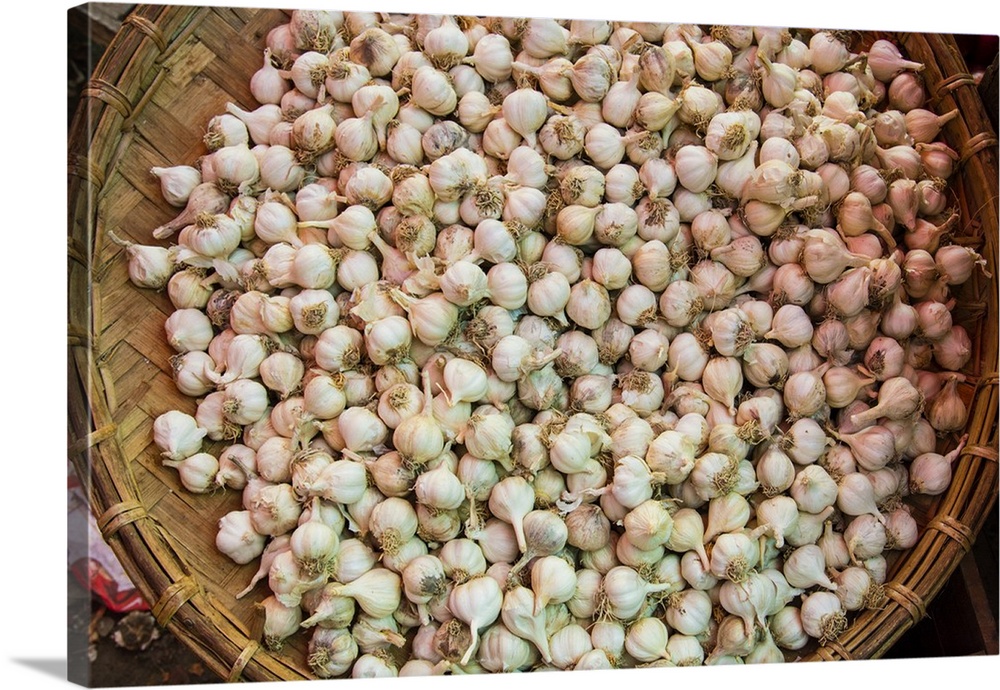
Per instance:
{"type": "Point", "coordinates": [930, 473]}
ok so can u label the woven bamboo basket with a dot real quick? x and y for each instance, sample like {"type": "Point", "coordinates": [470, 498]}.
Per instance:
{"type": "Point", "coordinates": [164, 75]}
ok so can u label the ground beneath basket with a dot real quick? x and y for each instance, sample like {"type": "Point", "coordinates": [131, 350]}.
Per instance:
{"type": "Point", "coordinates": [127, 649]}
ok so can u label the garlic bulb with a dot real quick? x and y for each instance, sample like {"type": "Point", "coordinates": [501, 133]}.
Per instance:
{"type": "Point", "coordinates": [177, 182]}
{"type": "Point", "coordinates": [237, 539]}
{"type": "Point", "coordinates": [476, 602]}
{"type": "Point", "coordinates": [177, 435]}
{"type": "Point", "coordinates": [647, 640]}
{"type": "Point", "coordinates": [626, 591]}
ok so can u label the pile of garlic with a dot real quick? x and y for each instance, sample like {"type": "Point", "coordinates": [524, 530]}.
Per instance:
{"type": "Point", "coordinates": [563, 344]}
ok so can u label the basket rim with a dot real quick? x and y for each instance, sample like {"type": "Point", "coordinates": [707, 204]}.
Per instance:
{"type": "Point", "coordinates": [167, 581]}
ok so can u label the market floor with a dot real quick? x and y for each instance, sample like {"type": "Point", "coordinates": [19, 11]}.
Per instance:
{"type": "Point", "coordinates": [125, 650]}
